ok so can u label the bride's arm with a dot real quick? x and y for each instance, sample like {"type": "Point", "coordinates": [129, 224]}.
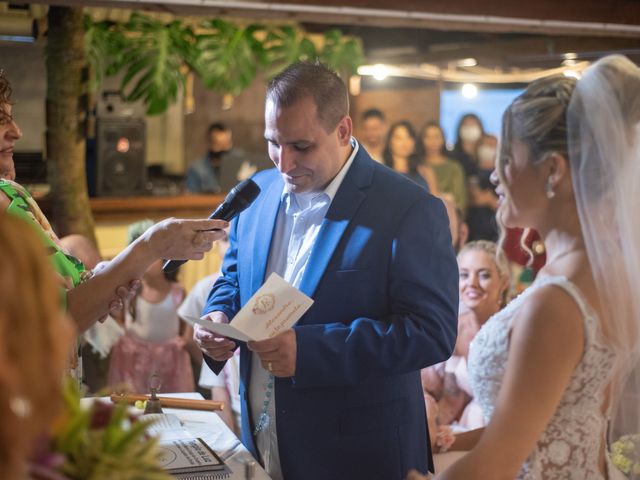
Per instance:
{"type": "Point", "coordinates": [546, 344]}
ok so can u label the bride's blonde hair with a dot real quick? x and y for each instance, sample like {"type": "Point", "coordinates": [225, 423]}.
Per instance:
{"type": "Point", "coordinates": [35, 341]}
{"type": "Point", "coordinates": [537, 118]}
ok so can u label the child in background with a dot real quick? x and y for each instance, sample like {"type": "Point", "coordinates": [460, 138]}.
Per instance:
{"type": "Point", "coordinates": [155, 339]}
{"type": "Point", "coordinates": [225, 387]}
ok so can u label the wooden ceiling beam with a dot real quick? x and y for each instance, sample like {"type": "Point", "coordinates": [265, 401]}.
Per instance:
{"type": "Point", "coordinates": [525, 52]}
{"type": "Point", "coordinates": [620, 18]}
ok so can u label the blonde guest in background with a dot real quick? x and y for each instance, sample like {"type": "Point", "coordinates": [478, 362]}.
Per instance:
{"type": "Point", "coordinates": [35, 338]}
{"type": "Point", "coordinates": [550, 369]}
{"type": "Point", "coordinates": [484, 282]}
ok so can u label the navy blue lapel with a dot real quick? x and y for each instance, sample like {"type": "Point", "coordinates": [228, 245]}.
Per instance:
{"type": "Point", "coordinates": [343, 208]}
{"type": "Point", "coordinates": [265, 222]}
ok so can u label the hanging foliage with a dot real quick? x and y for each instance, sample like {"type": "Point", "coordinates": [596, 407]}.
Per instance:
{"type": "Point", "coordinates": [151, 59]}
{"type": "Point", "coordinates": [341, 53]}
{"type": "Point", "coordinates": [154, 58]}
{"type": "Point", "coordinates": [229, 55]}
{"type": "Point", "coordinates": [286, 45]}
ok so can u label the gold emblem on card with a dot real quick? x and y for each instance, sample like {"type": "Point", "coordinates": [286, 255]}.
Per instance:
{"type": "Point", "coordinates": [264, 304]}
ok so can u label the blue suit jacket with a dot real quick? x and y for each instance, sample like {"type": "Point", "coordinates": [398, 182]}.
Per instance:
{"type": "Point", "coordinates": [384, 278]}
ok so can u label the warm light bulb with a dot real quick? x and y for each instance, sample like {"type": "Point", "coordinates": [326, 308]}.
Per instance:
{"type": "Point", "coordinates": [380, 72]}
{"type": "Point", "coordinates": [572, 74]}
{"type": "Point", "coordinates": [469, 90]}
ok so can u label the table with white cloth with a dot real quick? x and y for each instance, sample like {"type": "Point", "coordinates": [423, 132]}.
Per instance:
{"type": "Point", "coordinates": [209, 427]}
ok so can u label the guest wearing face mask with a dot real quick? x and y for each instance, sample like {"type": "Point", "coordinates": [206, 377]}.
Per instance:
{"type": "Point", "coordinates": [486, 154]}
{"type": "Point", "coordinates": [469, 131]}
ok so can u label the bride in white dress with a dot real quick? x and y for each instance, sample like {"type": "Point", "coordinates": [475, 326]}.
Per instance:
{"type": "Point", "coordinates": [549, 369]}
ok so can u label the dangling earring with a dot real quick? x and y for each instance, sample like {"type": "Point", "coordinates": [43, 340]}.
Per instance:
{"type": "Point", "coordinates": [548, 189]}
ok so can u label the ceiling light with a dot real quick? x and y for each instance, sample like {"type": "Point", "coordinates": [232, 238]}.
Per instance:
{"type": "Point", "coordinates": [571, 73]}
{"type": "Point", "coordinates": [467, 62]}
{"type": "Point", "coordinates": [469, 90]}
{"type": "Point", "coordinates": [380, 71]}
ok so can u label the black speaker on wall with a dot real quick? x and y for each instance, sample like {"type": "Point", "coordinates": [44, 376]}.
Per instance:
{"type": "Point", "coordinates": [120, 168]}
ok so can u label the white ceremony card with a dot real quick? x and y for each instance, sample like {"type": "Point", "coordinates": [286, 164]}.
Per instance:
{"type": "Point", "coordinates": [274, 308]}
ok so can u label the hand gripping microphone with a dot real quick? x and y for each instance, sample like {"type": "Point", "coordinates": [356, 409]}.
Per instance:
{"type": "Point", "coordinates": [239, 198]}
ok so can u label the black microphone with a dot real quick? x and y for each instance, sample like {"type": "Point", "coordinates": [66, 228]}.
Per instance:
{"type": "Point", "coordinates": [239, 198]}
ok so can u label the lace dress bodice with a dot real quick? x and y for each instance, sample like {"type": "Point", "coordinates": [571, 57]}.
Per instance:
{"type": "Point", "coordinates": [572, 442]}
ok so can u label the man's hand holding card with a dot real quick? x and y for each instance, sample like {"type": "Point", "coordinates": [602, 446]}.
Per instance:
{"type": "Point", "coordinates": [265, 322]}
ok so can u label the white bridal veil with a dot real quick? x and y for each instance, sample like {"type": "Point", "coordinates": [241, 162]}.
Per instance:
{"type": "Point", "coordinates": [604, 151]}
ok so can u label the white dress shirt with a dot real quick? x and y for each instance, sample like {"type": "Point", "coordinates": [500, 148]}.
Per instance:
{"type": "Point", "coordinates": [299, 219]}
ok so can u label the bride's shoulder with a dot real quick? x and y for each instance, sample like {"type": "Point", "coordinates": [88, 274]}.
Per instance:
{"type": "Point", "coordinates": [550, 312]}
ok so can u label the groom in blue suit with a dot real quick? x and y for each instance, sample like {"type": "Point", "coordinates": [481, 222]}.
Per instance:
{"type": "Point", "coordinates": [339, 395]}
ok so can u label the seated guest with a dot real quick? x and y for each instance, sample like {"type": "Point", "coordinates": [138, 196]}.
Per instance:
{"type": "Point", "coordinates": [35, 338]}
{"type": "Point", "coordinates": [90, 295]}
{"type": "Point", "coordinates": [221, 167]}
{"type": "Point", "coordinates": [484, 282]}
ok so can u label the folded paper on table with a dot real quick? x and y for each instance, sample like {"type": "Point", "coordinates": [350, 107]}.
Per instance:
{"type": "Point", "coordinates": [274, 308]}
{"type": "Point", "coordinates": [183, 455]}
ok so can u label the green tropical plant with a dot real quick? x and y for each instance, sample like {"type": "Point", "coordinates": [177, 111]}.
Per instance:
{"type": "Point", "coordinates": [155, 58]}
{"type": "Point", "coordinates": [343, 54]}
{"type": "Point", "coordinates": [229, 55]}
{"type": "Point", "coordinates": [152, 58]}
{"type": "Point", "coordinates": [101, 441]}
{"type": "Point", "coordinates": [285, 45]}
{"type": "Point", "coordinates": [96, 47]}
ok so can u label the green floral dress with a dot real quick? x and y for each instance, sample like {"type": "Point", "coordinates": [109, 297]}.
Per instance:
{"type": "Point", "coordinates": [22, 205]}
{"type": "Point", "coordinates": [71, 270]}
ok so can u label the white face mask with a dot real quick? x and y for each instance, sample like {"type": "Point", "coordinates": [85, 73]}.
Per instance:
{"type": "Point", "coordinates": [470, 133]}
{"type": "Point", "coordinates": [486, 156]}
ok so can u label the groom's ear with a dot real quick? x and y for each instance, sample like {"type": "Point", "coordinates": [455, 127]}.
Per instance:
{"type": "Point", "coordinates": [344, 130]}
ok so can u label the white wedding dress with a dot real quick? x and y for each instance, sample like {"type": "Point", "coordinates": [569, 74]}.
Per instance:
{"type": "Point", "coordinates": [570, 446]}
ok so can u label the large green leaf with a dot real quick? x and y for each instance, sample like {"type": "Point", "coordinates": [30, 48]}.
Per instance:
{"type": "Point", "coordinates": [285, 45]}
{"type": "Point", "coordinates": [229, 55]}
{"type": "Point", "coordinates": [341, 53]}
{"type": "Point", "coordinates": [152, 59]}
{"type": "Point", "coordinates": [98, 47]}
